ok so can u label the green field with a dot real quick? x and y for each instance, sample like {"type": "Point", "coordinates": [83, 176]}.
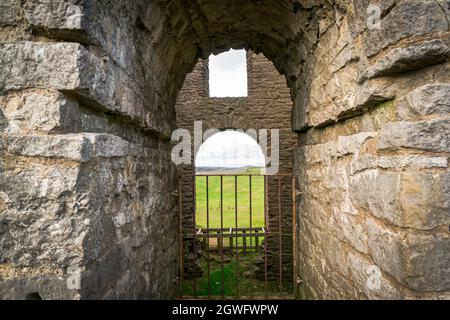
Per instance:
{"type": "Point", "coordinates": [243, 202]}
{"type": "Point", "coordinates": [247, 286]}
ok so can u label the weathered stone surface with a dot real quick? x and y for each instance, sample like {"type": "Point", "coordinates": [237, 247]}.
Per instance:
{"type": "Point", "coordinates": [38, 287]}
{"type": "Point", "coordinates": [431, 135]}
{"type": "Point", "coordinates": [43, 182]}
{"type": "Point", "coordinates": [432, 99]}
{"type": "Point", "coordinates": [428, 260]}
{"type": "Point", "coordinates": [68, 213]}
{"type": "Point", "coordinates": [375, 191]}
{"type": "Point", "coordinates": [409, 58]}
{"type": "Point", "coordinates": [366, 162]}
{"type": "Point", "coordinates": [412, 199]}
{"type": "Point", "coordinates": [30, 64]}
{"type": "Point", "coordinates": [370, 279]}
{"type": "Point", "coordinates": [407, 256]}
{"type": "Point", "coordinates": [405, 20]}
{"type": "Point", "coordinates": [59, 15]}
{"type": "Point", "coordinates": [9, 13]}
{"type": "Point", "coordinates": [40, 111]}
{"type": "Point", "coordinates": [70, 67]}
{"type": "Point", "coordinates": [78, 147]}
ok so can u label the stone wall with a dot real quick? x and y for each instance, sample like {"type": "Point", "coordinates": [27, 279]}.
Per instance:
{"type": "Point", "coordinates": [373, 158]}
{"type": "Point", "coordinates": [267, 106]}
{"type": "Point", "coordinates": [88, 91]}
{"type": "Point", "coordinates": [87, 190]}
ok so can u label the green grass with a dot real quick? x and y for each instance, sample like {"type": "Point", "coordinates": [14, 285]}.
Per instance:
{"type": "Point", "coordinates": [243, 202]}
{"type": "Point", "coordinates": [248, 286]}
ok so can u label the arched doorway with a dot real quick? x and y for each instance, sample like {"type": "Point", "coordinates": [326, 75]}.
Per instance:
{"type": "Point", "coordinates": [262, 116]}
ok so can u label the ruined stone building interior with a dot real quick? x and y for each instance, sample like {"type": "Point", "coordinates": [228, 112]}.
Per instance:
{"type": "Point", "coordinates": [93, 206]}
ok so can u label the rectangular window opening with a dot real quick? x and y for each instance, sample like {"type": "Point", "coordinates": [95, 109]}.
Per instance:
{"type": "Point", "coordinates": [228, 74]}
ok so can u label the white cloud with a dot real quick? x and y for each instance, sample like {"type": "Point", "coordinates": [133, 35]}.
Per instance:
{"type": "Point", "coordinates": [228, 74]}
{"type": "Point", "coordinates": [230, 149]}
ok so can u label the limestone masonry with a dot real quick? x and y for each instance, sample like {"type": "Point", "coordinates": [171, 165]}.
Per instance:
{"type": "Point", "coordinates": [88, 89]}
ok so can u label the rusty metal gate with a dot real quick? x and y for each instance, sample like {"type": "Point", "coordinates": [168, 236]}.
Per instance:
{"type": "Point", "coordinates": [239, 240]}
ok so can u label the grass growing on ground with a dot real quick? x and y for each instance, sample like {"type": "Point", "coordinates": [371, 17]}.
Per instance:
{"type": "Point", "coordinates": [248, 286]}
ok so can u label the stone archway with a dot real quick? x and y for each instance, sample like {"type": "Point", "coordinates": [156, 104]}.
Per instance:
{"type": "Point", "coordinates": [87, 95]}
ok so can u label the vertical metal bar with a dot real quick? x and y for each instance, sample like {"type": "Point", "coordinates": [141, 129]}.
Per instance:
{"type": "Point", "coordinates": [250, 206]}
{"type": "Point", "coordinates": [236, 225]}
{"type": "Point", "coordinates": [294, 236]}
{"type": "Point", "coordinates": [251, 221]}
{"type": "Point", "coordinates": [265, 234]}
{"type": "Point", "coordinates": [194, 197]}
{"type": "Point", "coordinates": [279, 231]}
{"type": "Point", "coordinates": [244, 241]}
{"type": "Point", "coordinates": [257, 241]}
{"type": "Point", "coordinates": [207, 236]}
{"type": "Point", "coordinates": [221, 238]}
{"type": "Point", "coordinates": [180, 207]}
{"type": "Point", "coordinates": [230, 240]}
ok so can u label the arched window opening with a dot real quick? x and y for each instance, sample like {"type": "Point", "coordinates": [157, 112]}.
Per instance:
{"type": "Point", "coordinates": [230, 190]}
{"type": "Point", "coordinates": [230, 152]}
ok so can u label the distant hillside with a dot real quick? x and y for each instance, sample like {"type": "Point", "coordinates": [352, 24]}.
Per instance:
{"type": "Point", "coordinates": [222, 170]}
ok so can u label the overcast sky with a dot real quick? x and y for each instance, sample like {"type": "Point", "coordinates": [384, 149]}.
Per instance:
{"type": "Point", "coordinates": [230, 149]}
{"type": "Point", "coordinates": [228, 74]}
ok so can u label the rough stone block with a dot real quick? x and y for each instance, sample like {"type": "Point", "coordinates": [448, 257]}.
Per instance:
{"type": "Point", "coordinates": [405, 20]}
{"type": "Point", "coordinates": [370, 279]}
{"type": "Point", "coordinates": [431, 99]}
{"type": "Point", "coordinates": [353, 230]}
{"type": "Point", "coordinates": [35, 287]}
{"type": "Point", "coordinates": [77, 147]}
{"type": "Point", "coordinates": [424, 199]}
{"type": "Point", "coordinates": [408, 58]}
{"type": "Point", "coordinates": [62, 15]}
{"type": "Point", "coordinates": [9, 13]}
{"type": "Point", "coordinates": [428, 261]}
{"type": "Point", "coordinates": [39, 111]}
{"type": "Point", "coordinates": [375, 191]}
{"type": "Point", "coordinates": [365, 162]}
{"type": "Point", "coordinates": [70, 67]}
{"type": "Point", "coordinates": [31, 65]}
{"type": "Point", "coordinates": [408, 199]}
{"type": "Point", "coordinates": [36, 181]}
{"type": "Point", "coordinates": [420, 261]}
{"type": "Point", "coordinates": [386, 248]}
{"type": "Point", "coordinates": [430, 135]}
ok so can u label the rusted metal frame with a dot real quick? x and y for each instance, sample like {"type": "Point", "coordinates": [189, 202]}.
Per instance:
{"type": "Point", "coordinates": [250, 194]}
{"type": "Point", "coordinates": [221, 242]}
{"type": "Point", "coordinates": [180, 235]}
{"type": "Point", "coordinates": [194, 228]}
{"type": "Point", "coordinates": [237, 239]}
{"type": "Point", "coordinates": [280, 233]}
{"type": "Point", "coordinates": [228, 236]}
{"type": "Point", "coordinates": [294, 237]}
{"type": "Point", "coordinates": [207, 238]}
{"type": "Point", "coordinates": [250, 204]}
{"type": "Point", "coordinates": [246, 235]}
{"type": "Point", "coordinates": [266, 206]}
{"type": "Point", "coordinates": [243, 175]}
{"type": "Point", "coordinates": [256, 229]}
